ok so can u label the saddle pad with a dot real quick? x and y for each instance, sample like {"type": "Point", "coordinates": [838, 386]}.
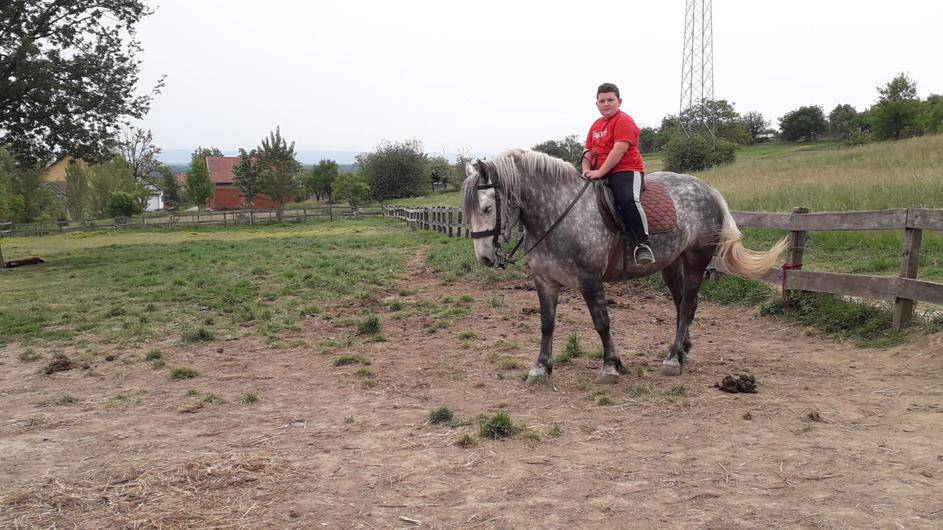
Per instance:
{"type": "Point", "coordinates": [659, 208]}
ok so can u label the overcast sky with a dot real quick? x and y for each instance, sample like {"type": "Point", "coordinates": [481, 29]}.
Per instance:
{"type": "Point", "coordinates": [487, 76]}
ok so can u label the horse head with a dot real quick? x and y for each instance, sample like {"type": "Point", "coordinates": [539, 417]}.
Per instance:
{"type": "Point", "coordinates": [483, 211]}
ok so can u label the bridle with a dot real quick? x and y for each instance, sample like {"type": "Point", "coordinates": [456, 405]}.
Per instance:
{"type": "Point", "coordinates": [495, 233]}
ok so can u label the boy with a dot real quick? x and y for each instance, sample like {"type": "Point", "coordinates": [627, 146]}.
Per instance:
{"type": "Point", "coordinates": [613, 139]}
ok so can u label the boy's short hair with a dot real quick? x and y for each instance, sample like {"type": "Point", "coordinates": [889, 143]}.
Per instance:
{"type": "Point", "coordinates": [608, 87]}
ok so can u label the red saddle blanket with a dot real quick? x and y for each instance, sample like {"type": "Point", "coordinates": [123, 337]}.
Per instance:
{"type": "Point", "coordinates": [659, 208]}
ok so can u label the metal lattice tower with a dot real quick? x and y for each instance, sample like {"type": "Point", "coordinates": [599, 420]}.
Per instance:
{"type": "Point", "coordinates": [697, 69]}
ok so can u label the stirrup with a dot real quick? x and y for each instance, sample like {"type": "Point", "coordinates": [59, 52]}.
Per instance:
{"type": "Point", "coordinates": [643, 254]}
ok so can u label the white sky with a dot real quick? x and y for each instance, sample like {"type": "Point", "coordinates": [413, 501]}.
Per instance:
{"type": "Point", "coordinates": [487, 76]}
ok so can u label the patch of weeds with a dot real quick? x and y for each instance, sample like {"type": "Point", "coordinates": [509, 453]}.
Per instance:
{"type": "Point", "coordinates": [192, 392]}
{"type": "Point", "coordinates": [747, 415]}
{"type": "Point", "coordinates": [509, 363]}
{"type": "Point", "coordinates": [309, 311]}
{"type": "Point", "coordinates": [154, 355]}
{"type": "Point", "coordinates": [595, 354]}
{"type": "Point", "coordinates": [406, 292]}
{"type": "Point", "coordinates": [465, 440]}
{"type": "Point", "coordinates": [368, 382]}
{"type": "Point", "coordinates": [498, 425]}
{"type": "Point", "coordinates": [496, 301]}
{"type": "Point", "coordinates": [864, 323]}
{"type": "Point", "coordinates": [508, 345]}
{"type": "Point", "coordinates": [370, 325]}
{"type": "Point", "coordinates": [349, 419]}
{"type": "Point", "coordinates": [333, 343]}
{"type": "Point", "coordinates": [212, 398]}
{"type": "Point", "coordinates": [439, 324]}
{"type": "Point", "coordinates": [197, 334]}
{"type": "Point", "coordinates": [588, 428]}
{"type": "Point", "coordinates": [466, 299]}
{"type": "Point", "coordinates": [183, 372]}
{"type": "Point", "coordinates": [812, 415]}
{"type": "Point", "coordinates": [441, 415]}
{"type": "Point", "coordinates": [377, 338]}
{"type": "Point", "coordinates": [601, 397]}
{"type": "Point", "coordinates": [726, 289]}
{"type": "Point", "coordinates": [447, 300]}
{"type": "Point", "coordinates": [29, 356]}
{"type": "Point", "coordinates": [249, 398]}
{"type": "Point", "coordinates": [555, 430]}
{"type": "Point", "coordinates": [530, 435]}
{"type": "Point", "coordinates": [639, 371]}
{"type": "Point", "coordinates": [363, 372]}
{"type": "Point", "coordinates": [66, 399]}
{"type": "Point", "coordinates": [676, 393]}
{"type": "Point", "coordinates": [467, 335]}
{"type": "Point", "coordinates": [395, 305]}
{"type": "Point", "coordinates": [572, 346]}
{"type": "Point", "coordinates": [344, 360]}
{"type": "Point", "coordinates": [118, 399]}
{"type": "Point", "coordinates": [639, 391]}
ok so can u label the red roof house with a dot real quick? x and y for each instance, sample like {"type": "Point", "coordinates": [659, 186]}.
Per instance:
{"type": "Point", "coordinates": [226, 196]}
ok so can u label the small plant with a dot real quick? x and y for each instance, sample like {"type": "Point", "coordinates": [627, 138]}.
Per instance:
{"type": "Point", "coordinates": [639, 371]}
{"type": "Point", "coordinates": [344, 360]}
{"type": "Point", "coordinates": [571, 348]}
{"type": "Point", "coordinates": [369, 325]}
{"type": "Point", "coordinates": [447, 300]}
{"type": "Point", "coordinates": [154, 355]}
{"type": "Point", "coordinates": [588, 428]}
{"type": "Point", "coordinates": [496, 301]}
{"type": "Point", "coordinates": [509, 363]}
{"type": "Point", "coordinates": [601, 397]}
{"type": "Point", "coordinates": [530, 435]}
{"type": "Point", "coordinates": [212, 398]}
{"type": "Point", "coordinates": [441, 415]}
{"type": "Point", "coordinates": [406, 292]}
{"type": "Point", "coordinates": [363, 372]}
{"type": "Point", "coordinates": [812, 415]}
{"type": "Point", "coordinates": [183, 372]}
{"type": "Point", "coordinates": [29, 356]}
{"type": "Point", "coordinates": [467, 335]}
{"type": "Point", "coordinates": [439, 324]}
{"type": "Point", "coordinates": [466, 299]}
{"type": "Point", "coordinates": [197, 334]}
{"type": "Point", "coordinates": [465, 440]}
{"type": "Point", "coordinates": [556, 430]}
{"type": "Point", "coordinates": [67, 399]}
{"type": "Point", "coordinates": [499, 425]}
{"type": "Point", "coordinates": [395, 305]}
{"type": "Point", "coordinates": [249, 398]}
{"type": "Point", "coordinates": [349, 419]}
{"type": "Point", "coordinates": [639, 391]}
{"type": "Point", "coordinates": [192, 392]}
{"type": "Point", "coordinates": [676, 392]}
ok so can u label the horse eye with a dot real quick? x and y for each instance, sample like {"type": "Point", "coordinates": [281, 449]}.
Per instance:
{"type": "Point", "coordinates": [487, 209]}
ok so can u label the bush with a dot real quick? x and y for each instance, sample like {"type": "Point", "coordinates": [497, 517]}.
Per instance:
{"type": "Point", "coordinates": [396, 170]}
{"type": "Point", "coordinates": [697, 153]}
{"type": "Point", "coordinates": [122, 204]}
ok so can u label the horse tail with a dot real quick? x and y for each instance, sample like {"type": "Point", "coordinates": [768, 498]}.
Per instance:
{"type": "Point", "coordinates": [738, 259]}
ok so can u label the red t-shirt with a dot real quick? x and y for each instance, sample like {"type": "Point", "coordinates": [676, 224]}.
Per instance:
{"type": "Point", "coordinates": [603, 135]}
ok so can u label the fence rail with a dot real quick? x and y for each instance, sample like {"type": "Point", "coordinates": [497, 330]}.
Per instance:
{"type": "Point", "coordinates": [905, 289]}
{"type": "Point", "coordinates": [223, 217]}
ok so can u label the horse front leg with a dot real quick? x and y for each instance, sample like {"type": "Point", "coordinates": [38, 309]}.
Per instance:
{"type": "Point", "coordinates": [548, 293]}
{"type": "Point", "coordinates": [695, 263]}
{"type": "Point", "coordinates": [595, 298]}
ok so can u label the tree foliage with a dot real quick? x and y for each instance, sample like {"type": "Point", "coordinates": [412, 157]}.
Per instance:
{"type": "Point", "coordinates": [69, 74]}
{"type": "Point", "coordinates": [727, 123]}
{"type": "Point", "coordinates": [842, 121]}
{"type": "Point", "coordinates": [247, 178]}
{"type": "Point", "coordinates": [122, 204]}
{"type": "Point", "coordinates": [78, 178]}
{"type": "Point", "coordinates": [352, 188]}
{"type": "Point", "coordinates": [170, 187]}
{"type": "Point", "coordinates": [569, 149]}
{"type": "Point", "coordinates": [804, 123]}
{"type": "Point", "coordinates": [111, 177]}
{"type": "Point", "coordinates": [31, 199]}
{"type": "Point", "coordinates": [897, 112]}
{"type": "Point", "coordinates": [137, 148]}
{"type": "Point", "coordinates": [279, 171]}
{"type": "Point", "coordinates": [441, 172]}
{"type": "Point", "coordinates": [319, 181]}
{"type": "Point", "coordinates": [199, 185]}
{"type": "Point", "coordinates": [697, 152]}
{"type": "Point", "coordinates": [396, 169]}
{"type": "Point", "coordinates": [754, 123]}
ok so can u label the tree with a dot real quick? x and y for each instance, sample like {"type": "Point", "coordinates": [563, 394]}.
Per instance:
{"type": "Point", "coordinates": [901, 88]}
{"type": "Point", "coordinates": [697, 152]}
{"type": "Point", "coordinates": [755, 124]}
{"type": "Point", "coordinates": [203, 152]}
{"type": "Point", "coordinates": [727, 123]}
{"type": "Point", "coordinates": [122, 204]}
{"type": "Point", "coordinates": [931, 119]}
{"type": "Point", "coordinates": [78, 190]}
{"type": "Point", "coordinates": [7, 166]}
{"type": "Point", "coordinates": [569, 149]}
{"type": "Point", "coordinates": [440, 171]}
{"type": "Point", "coordinates": [897, 112]}
{"type": "Point", "coordinates": [352, 188]}
{"type": "Point", "coordinates": [321, 178]}
{"type": "Point", "coordinates": [842, 121]}
{"type": "Point", "coordinates": [137, 147]}
{"type": "Point", "coordinates": [246, 177]}
{"type": "Point", "coordinates": [279, 172]}
{"type": "Point", "coordinates": [170, 186]}
{"type": "Point", "coordinates": [69, 76]}
{"type": "Point", "coordinates": [804, 123]}
{"type": "Point", "coordinates": [110, 177]}
{"type": "Point", "coordinates": [199, 186]}
{"type": "Point", "coordinates": [395, 169]}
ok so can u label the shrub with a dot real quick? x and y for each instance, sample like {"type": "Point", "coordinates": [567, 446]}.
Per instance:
{"type": "Point", "coordinates": [122, 204]}
{"type": "Point", "coordinates": [442, 414]}
{"type": "Point", "coordinates": [498, 425]}
{"type": "Point", "coordinates": [183, 372]}
{"type": "Point", "coordinates": [369, 325]}
{"type": "Point", "coordinates": [683, 154]}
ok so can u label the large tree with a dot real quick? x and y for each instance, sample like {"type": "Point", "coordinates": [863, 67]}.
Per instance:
{"type": "Point", "coordinates": [842, 121]}
{"type": "Point", "coordinates": [352, 188]}
{"type": "Point", "coordinates": [321, 178]}
{"type": "Point", "coordinates": [569, 149]}
{"type": "Point", "coordinates": [897, 112]}
{"type": "Point", "coordinates": [68, 74]}
{"type": "Point", "coordinates": [170, 186]}
{"type": "Point", "coordinates": [727, 123]}
{"type": "Point", "coordinates": [246, 177]}
{"type": "Point", "coordinates": [803, 123]}
{"type": "Point", "coordinates": [755, 124]}
{"type": "Point", "coordinates": [199, 185]}
{"type": "Point", "coordinates": [137, 148]}
{"type": "Point", "coordinates": [279, 172]}
{"type": "Point", "coordinates": [396, 169]}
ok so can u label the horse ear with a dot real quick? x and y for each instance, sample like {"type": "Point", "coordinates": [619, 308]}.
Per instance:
{"type": "Point", "coordinates": [470, 170]}
{"type": "Point", "coordinates": [482, 168]}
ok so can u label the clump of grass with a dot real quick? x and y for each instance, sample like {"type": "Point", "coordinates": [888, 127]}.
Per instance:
{"type": "Point", "coordinates": [183, 372]}
{"type": "Point", "coordinates": [864, 323]}
{"type": "Point", "coordinates": [498, 425]}
{"type": "Point", "coordinates": [466, 299]}
{"type": "Point", "coordinates": [197, 334]}
{"type": "Point", "coordinates": [509, 363]}
{"type": "Point", "coordinates": [67, 399]}
{"type": "Point", "coordinates": [639, 391]}
{"type": "Point", "coordinates": [192, 392]}
{"type": "Point", "coordinates": [508, 345]}
{"type": "Point", "coordinates": [467, 335]}
{"type": "Point", "coordinates": [344, 360]}
{"type": "Point", "coordinates": [439, 324]}
{"type": "Point", "coordinates": [812, 415]}
{"type": "Point", "coordinates": [639, 371]}
{"type": "Point", "coordinates": [363, 372]}
{"type": "Point", "coordinates": [447, 299]}
{"type": "Point", "coordinates": [249, 398]}
{"type": "Point", "coordinates": [676, 393]}
{"type": "Point", "coordinates": [555, 431]}
{"type": "Point", "coordinates": [395, 305]}
{"type": "Point", "coordinates": [348, 419]}
{"type": "Point", "coordinates": [465, 440]}
{"type": "Point", "coordinates": [212, 398]}
{"type": "Point", "coordinates": [496, 301]}
{"type": "Point", "coordinates": [441, 415]}
{"type": "Point", "coordinates": [601, 397]}
{"type": "Point", "coordinates": [333, 343]}
{"type": "Point", "coordinates": [595, 354]}
{"type": "Point", "coordinates": [530, 435]}
{"type": "Point", "coordinates": [729, 290]}
{"type": "Point", "coordinates": [370, 325]}
{"type": "Point", "coordinates": [155, 358]}
{"type": "Point", "coordinates": [29, 356]}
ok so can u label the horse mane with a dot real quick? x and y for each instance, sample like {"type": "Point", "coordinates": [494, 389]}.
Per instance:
{"type": "Point", "coordinates": [510, 172]}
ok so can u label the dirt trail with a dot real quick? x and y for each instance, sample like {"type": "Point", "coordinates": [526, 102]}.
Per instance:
{"type": "Point", "coordinates": [836, 437]}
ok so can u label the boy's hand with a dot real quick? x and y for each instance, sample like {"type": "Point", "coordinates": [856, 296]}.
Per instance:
{"type": "Point", "coordinates": [593, 175]}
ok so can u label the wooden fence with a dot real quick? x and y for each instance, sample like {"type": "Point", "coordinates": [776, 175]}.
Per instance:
{"type": "Point", "coordinates": [223, 217]}
{"type": "Point", "coordinates": [905, 289]}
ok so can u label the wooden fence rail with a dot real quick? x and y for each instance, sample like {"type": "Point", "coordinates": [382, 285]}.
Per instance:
{"type": "Point", "coordinates": [223, 217]}
{"type": "Point", "coordinates": [905, 290]}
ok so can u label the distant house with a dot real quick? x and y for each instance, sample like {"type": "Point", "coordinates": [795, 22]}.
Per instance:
{"type": "Point", "coordinates": [226, 196]}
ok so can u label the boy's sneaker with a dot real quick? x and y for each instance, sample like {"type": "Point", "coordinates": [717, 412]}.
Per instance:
{"type": "Point", "coordinates": [643, 254]}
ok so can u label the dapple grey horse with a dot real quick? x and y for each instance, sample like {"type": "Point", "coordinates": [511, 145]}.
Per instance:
{"type": "Point", "coordinates": [535, 189]}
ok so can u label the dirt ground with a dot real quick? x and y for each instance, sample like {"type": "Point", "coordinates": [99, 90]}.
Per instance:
{"type": "Point", "coordinates": [836, 437]}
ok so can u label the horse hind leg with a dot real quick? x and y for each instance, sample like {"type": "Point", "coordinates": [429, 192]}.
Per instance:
{"type": "Point", "coordinates": [693, 265]}
{"type": "Point", "coordinates": [548, 294]}
{"type": "Point", "coordinates": [595, 297]}
{"type": "Point", "coordinates": [674, 278]}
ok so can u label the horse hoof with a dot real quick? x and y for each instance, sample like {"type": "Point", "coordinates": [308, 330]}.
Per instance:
{"type": "Point", "coordinates": [607, 377]}
{"type": "Point", "coordinates": [537, 376]}
{"type": "Point", "coordinates": [670, 369]}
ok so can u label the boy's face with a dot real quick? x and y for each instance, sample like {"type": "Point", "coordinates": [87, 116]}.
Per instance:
{"type": "Point", "coordinates": [607, 103]}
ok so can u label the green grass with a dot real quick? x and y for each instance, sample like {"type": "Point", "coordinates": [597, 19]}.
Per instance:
{"type": "Point", "coordinates": [453, 259]}
{"type": "Point", "coordinates": [369, 325]}
{"type": "Point", "coordinates": [344, 360]}
{"type": "Point", "coordinates": [864, 323]}
{"type": "Point", "coordinates": [249, 398]}
{"type": "Point", "coordinates": [498, 425]}
{"type": "Point", "coordinates": [137, 286]}
{"type": "Point", "coordinates": [183, 372]}
{"type": "Point", "coordinates": [441, 415]}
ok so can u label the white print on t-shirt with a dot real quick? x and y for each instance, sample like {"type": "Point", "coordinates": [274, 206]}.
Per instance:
{"type": "Point", "coordinates": [599, 134]}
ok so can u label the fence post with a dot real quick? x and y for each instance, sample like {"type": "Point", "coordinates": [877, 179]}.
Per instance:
{"type": "Point", "coordinates": [909, 263]}
{"type": "Point", "coordinates": [330, 212]}
{"type": "Point", "coordinates": [225, 222]}
{"type": "Point", "coordinates": [451, 229]}
{"type": "Point", "coordinates": [797, 240]}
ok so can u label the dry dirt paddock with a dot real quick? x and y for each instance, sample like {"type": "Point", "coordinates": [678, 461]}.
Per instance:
{"type": "Point", "coordinates": [837, 437]}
